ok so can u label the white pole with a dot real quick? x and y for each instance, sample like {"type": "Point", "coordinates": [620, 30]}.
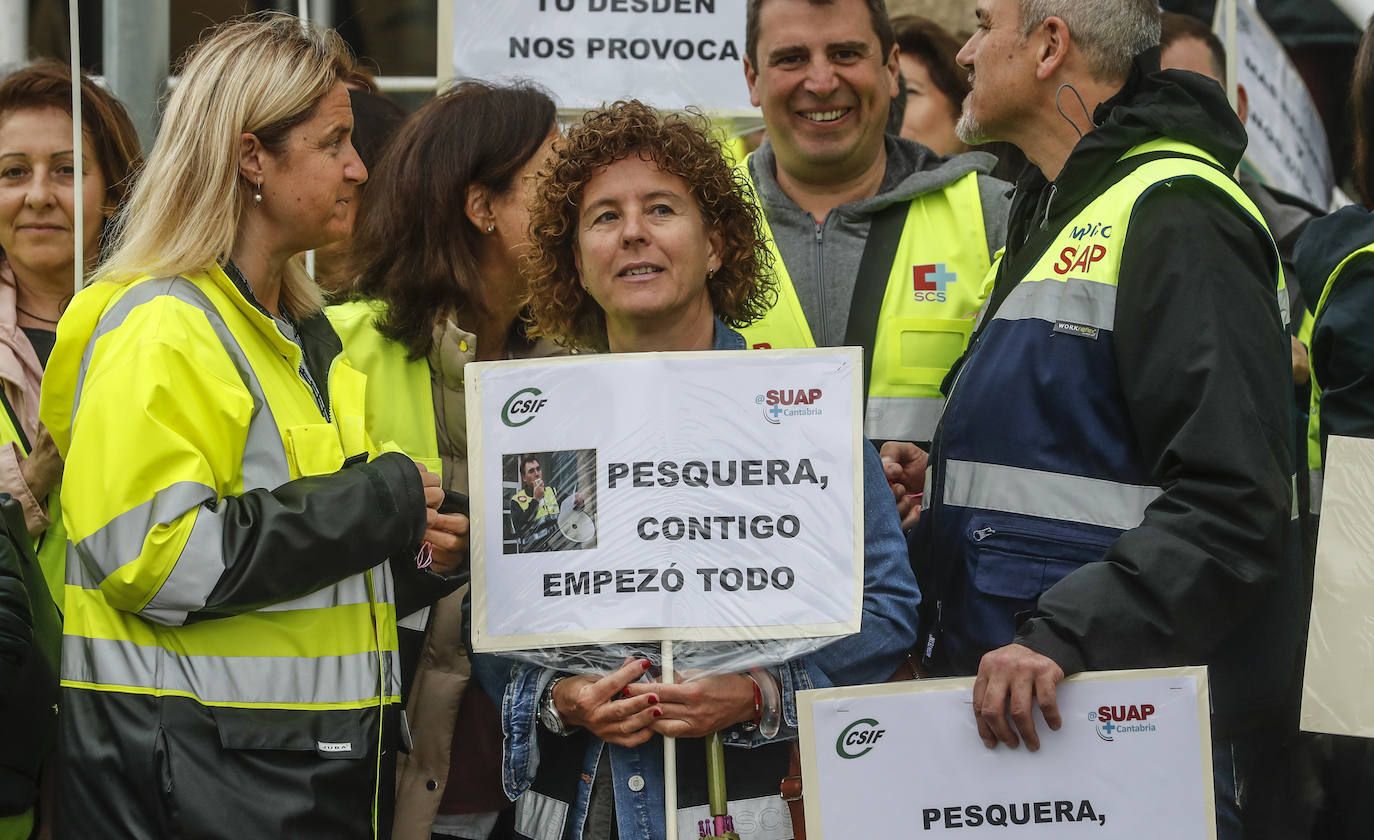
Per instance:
{"type": "Point", "coordinates": [1358, 11]}
{"type": "Point", "coordinates": [1232, 57]}
{"type": "Point", "coordinates": [78, 227]}
{"type": "Point", "coordinates": [669, 757]}
{"type": "Point", "coordinates": [14, 31]}
{"type": "Point", "coordinates": [303, 12]}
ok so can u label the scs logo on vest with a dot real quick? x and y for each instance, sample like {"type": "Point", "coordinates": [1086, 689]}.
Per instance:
{"type": "Point", "coordinates": [931, 282]}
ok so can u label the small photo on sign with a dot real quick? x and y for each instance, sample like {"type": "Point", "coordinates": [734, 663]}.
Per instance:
{"type": "Point", "coordinates": [550, 501]}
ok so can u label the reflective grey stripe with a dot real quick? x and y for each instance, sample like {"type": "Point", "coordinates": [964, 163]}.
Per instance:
{"type": "Point", "coordinates": [349, 591]}
{"type": "Point", "coordinates": [1283, 307]}
{"type": "Point", "coordinates": [198, 568]}
{"type": "Point", "coordinates": [1314, 490]}
{"type": "Point", "coordinates": [120, 541]}
{"type": "Point", "coordinates": [1294, 497]}
{"type": "Point", "coordinates": [1078, 301]}
{"type": "Point", "coordinates": [264, 456]}
{"type": "Point", "coordinates": [418, 620]}
{"type": "Point", "coordinates": [540, 817]}
{"type": "Point", "coordinates": [227, 679]}
{"type": "Point", "coordinates": [1069, 498]}
{"type": "Point", "coordinates": [902, 418]}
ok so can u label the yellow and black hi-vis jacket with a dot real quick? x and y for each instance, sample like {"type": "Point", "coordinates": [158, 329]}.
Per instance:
{"type": "Point", "coordinates": [229, 647]}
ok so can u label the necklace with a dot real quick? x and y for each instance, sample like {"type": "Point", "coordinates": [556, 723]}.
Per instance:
{"type": "Point", "coordinates": [24, 311]}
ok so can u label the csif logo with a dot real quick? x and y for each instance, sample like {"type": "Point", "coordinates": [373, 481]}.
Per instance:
{"type": "Point", "coordinates": [858, 738]}
{"type": "Point", "coordinates": [1113, 721]}
{"type": "Point", "coordinates": [522, 406]}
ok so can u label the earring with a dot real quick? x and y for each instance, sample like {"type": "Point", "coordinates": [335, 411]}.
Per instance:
{"type": "Point", "coordinates": [491, 228]}
{"type": "Point", "coordinates": [257, 193]}
{"type": "Point", "coordinates": [710, 272]}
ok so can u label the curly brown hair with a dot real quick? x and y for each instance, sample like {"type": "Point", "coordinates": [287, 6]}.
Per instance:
{"type": "Point", "coordinates": [741, 291]}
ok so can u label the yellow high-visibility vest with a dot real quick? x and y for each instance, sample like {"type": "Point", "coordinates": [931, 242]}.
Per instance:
{"type": "Point", "coordinates": [934, 292]}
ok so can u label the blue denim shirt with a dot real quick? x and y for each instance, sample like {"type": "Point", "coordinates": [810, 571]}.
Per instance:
{"type": "Point", "coordinates": [888, 629]}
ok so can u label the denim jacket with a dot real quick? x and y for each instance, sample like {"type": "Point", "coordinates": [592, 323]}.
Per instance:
{"type": "Point", "coordinates": [888, 629]}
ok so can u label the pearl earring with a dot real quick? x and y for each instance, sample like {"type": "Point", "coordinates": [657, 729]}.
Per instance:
{"type": "Point", "coordinates": [257, 193]}
{"type": "Point", "coordinates": [491, 228]}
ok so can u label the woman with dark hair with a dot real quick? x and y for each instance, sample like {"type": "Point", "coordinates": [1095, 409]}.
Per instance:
{"type": "Point", "coordinates": [643, 239]}
{"type": "Point", "coordinates": [37, 263]}
{"type": "Point", "coordinates": [935, 84]}
{"type": "Point", "coordinates": [436, 249]}
{"type": "Point", "coordinates": [36, 266]}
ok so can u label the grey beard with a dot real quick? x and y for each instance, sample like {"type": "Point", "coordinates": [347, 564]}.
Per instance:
{"type": "Point", "coordinates": [969, 129]}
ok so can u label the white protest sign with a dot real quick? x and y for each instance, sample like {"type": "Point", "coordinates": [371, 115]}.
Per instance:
{"type": "Point", "coordinates": [1288, 148]}
{"type": "Point", "coordinates": [666, 496]}
{"type": "Point", "coordinates": [1339, 668]}
{"type": "Point", "coordinates": [1132, 760]}
{"type": "Point", "coordinates": [668, 53]}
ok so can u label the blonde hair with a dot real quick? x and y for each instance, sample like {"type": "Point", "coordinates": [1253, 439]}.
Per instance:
{"type": "Point", "coordinates": [263, 74]}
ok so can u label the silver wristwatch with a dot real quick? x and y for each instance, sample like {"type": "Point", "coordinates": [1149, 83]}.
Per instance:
{"type": "Point", "coordinates": [549, 717]}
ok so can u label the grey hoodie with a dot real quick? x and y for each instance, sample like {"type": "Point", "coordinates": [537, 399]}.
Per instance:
{"type": "Point", "coordinates": [823, 259]}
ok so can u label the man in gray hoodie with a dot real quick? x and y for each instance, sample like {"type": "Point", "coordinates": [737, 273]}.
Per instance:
{"type": "Point", "coordinates": [879, 242]}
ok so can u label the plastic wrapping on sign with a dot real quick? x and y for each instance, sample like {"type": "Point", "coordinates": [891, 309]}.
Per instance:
{"type": "Point", "coordinates": [691, 660]}
{"type": "Point", "coordinates": [1340, 641]}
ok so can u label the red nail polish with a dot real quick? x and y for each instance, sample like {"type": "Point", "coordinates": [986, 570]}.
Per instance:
{"type": "Point", "coordinates": [645, 664]}
{"type": "Point", "coordinates": [653, 699]}
{"type": "Point", "coordinates": [657, 712]}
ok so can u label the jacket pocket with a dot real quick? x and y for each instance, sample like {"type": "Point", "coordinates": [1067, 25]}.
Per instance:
{"type": "Point", "coordinates": [314, 449]}
{"type": "Point", "coordinates": [1015, 561]}
{"type": "Point", "coordinates": [334, 734]}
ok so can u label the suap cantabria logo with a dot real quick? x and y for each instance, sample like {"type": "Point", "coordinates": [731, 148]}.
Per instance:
{"type": "Point", "coordinates": [778, 403]}
{"type": "Point", "coordinates": [1114, 721]}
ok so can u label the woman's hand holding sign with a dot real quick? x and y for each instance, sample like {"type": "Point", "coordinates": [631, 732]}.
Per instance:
{"type": "Point", "coordinates": [600, 707]}
{"type": "Point", "coordinates": [700, 706]}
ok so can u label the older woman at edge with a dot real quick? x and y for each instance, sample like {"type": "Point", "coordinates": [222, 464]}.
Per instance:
{"type": "Point", "coordinates": [643, 240]}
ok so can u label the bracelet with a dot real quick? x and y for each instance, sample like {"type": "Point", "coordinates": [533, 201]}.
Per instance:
{"type": "Point", "coordinates": [758, 701]}
{"type": "Point", "coordinates": [767, 703]}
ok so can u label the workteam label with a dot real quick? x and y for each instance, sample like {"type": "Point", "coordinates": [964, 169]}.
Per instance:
{"type": "Point", "coordinates": [673, 53]}
{"type": "Point", "coordinates": [917, 743]}
{"type": "Point", "coordinates": [658, 496]}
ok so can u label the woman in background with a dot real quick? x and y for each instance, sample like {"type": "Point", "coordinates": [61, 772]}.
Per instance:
{"type": "Point", "coordinates": [935, 84]}
{"type": "Point", "coordinates": [38, 183]}
{"type": "Point", "coordinates": [436, 249]}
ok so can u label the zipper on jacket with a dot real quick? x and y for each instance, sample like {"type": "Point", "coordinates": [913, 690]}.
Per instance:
{"type": "Point", "coordinates": [314, 389]}
{"type": "Point", "coordinates": [1045, 222]}
{"type": "Point", "coordinates": [819, 336]}
{"type": "Point", "coordinates": [288, 329]}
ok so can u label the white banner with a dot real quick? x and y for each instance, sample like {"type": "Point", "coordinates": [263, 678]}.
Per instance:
{"type": "Point", "coordinates": [668, 53]}
{"type": "Point", "coordinates": [666, 496]}
{"type": "Point", "coordinates": [1288, 148]}
{"type": "Point", "coordinates": [1339, 669]}
{"type": "Point", "coordinates": [1132, 760]}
